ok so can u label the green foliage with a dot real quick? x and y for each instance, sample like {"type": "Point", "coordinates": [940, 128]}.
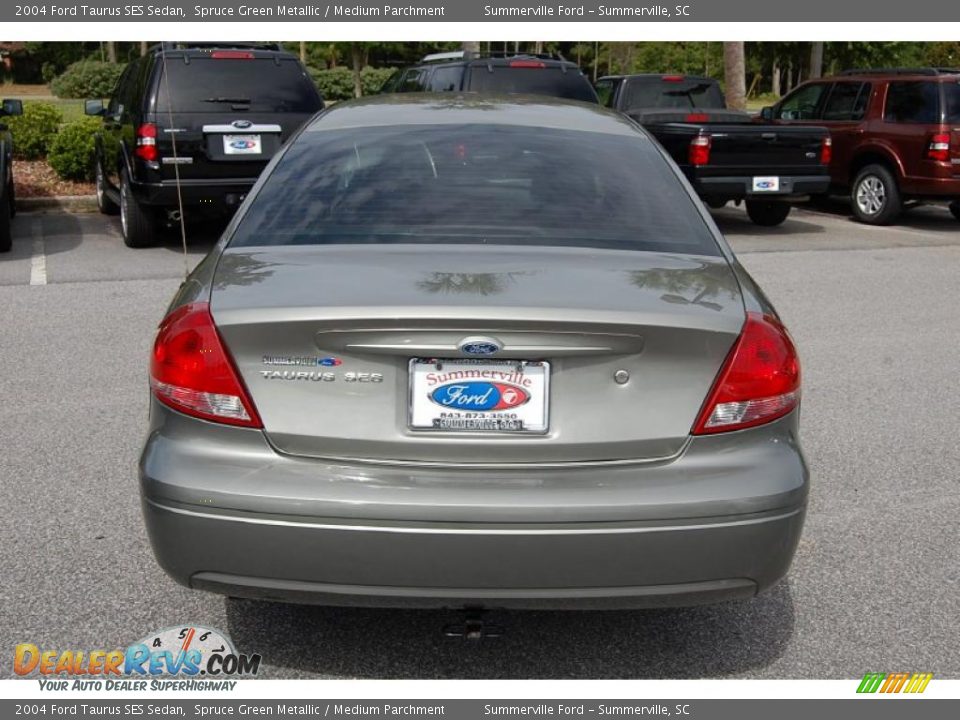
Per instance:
{"type": "Point", "coordinates": [34, 131]}
{"type": "Point", "coordinates": [87, 79]}
{"type": "Point", "coordinates": [942, 54]}
{"type": "Point", "coordinates": [337, 83]}
{"type": "Point", "coordinates": [71, 152]}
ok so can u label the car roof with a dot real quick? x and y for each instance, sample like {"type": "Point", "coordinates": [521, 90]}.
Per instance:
{"type": "Point", "coordinates": [473, 109]}
{"type": "Point", "coordinates": [891, 76]}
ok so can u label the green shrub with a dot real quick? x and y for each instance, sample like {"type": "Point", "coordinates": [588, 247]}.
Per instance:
{"type": "Point", "coordinates": [87, 79]}
{"type": "Point", "coordinates": [337, 83]}
{"type": "Point", "coordinates": [34, 131]}
{"type": "Point", "coordinates": [71, 153]}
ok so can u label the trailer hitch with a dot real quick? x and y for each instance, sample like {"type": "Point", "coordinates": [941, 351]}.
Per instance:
{"type": "Point", "coordinates": [473, 627]}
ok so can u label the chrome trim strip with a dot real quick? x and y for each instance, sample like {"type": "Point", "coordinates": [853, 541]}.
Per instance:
{"type": "Point", "coordinates": [241, 131]}
{"type": "Point", "coordinates": [617, 529]}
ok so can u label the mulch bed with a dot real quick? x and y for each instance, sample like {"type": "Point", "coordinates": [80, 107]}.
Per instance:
{"type": "Point", "coordinates": [34, 178]}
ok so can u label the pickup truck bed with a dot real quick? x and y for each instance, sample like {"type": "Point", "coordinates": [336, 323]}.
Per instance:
{"type": "Point", "coordinates": [725, 154]}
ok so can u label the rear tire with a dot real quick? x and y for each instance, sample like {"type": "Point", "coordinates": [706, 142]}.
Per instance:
{"type": "Point", "coordinates": [11, 193]}
{"type": "Point", "coordinates": [767, 213]}
{"type": "Point", "coordinates": [138, 224]}
{"type": "Point", "coordinates": [6, 235]}
{"type": "Point", "coordinates": [955, 209]}
{"type": "Point", "coordinates": [104, 204]}
{"type": "Point", "coordinates": [875, 196]}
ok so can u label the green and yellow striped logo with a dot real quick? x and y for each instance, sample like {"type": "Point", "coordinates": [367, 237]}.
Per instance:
{"type": "Point", "coordinates": [894, 682]}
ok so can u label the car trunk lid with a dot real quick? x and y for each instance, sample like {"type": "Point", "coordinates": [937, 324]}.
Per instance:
{"type": "Point", "coordinates": [324, 337]}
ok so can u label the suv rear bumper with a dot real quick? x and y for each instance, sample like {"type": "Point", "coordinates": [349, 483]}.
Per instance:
{"type": "Point", "coordinates": [221, 194]}
{"type": "Point", "coordinates": [933, 188]}
{"type": "Point", "coordinates": [740, 187]}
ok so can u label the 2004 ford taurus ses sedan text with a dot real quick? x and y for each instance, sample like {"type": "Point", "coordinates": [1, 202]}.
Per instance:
{"type": "Point", "coordinates": [464, 351]}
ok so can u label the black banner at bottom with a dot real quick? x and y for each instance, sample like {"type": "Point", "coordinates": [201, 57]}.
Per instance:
{"type": "Point", "coordinates": [874, 708]}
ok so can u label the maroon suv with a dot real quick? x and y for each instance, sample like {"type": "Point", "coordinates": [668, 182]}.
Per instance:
{"type": "Point", "coordinates": [896, 135]}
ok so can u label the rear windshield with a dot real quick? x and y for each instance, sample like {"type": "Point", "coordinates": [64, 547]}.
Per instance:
{"type": "Point", "coordinates": [951, 101]}
{"type": "Point", "coordinates": [211, 85]}
{"type": "Point", "coordinates": [550, 80]}
{"type": "Point", "coordinates": [475, 184]}
{"type": "Point", "coordinates": [682, 94]}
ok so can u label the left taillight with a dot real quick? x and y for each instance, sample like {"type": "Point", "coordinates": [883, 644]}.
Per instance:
{"type": "Point", "coordinates": [146, 140]}
{"type": "Point", "coordinates": [192, 372]}
{"type": "Point", "coordinates": [939, 147]}
{"type": "Point", "coordinates": [826, 150]}
{"type": "Point", "coordinates": [759, 381]}
{"type": "Point", "coordinates": [699, 151]}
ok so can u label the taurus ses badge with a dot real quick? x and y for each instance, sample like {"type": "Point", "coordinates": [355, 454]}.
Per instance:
{"type": "Point", "coordinates": [479, 346]}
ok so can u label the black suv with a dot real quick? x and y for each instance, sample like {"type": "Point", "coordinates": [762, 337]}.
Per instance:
{"type": "Point", "coordinates": [463, 71]}
{"type": "Point", "coordinates": [194, 125]}
{"type": "Point", "coordinates": [7, 203]}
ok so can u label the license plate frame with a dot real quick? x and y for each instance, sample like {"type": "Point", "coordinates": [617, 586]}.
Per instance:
{"type": "Point", "coordinates": [425, 404]}
{"type": "Point", "coordinates": [232, 142]}
{"type": "Point", "coordinates": [766, 184]}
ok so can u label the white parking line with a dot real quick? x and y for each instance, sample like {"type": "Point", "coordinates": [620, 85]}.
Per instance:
{"type": "Point", "coordinates": [38, 261]}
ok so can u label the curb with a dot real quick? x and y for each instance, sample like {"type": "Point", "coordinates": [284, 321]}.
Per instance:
{"type": "Point", "coordinates": [59, 203]}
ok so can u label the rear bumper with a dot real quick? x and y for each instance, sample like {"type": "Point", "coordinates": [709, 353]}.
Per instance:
{"type": "Point", "coordinates": [225, 512]}
{"type": "Point", "coordinates": [431, 565]}
{"type": "Point", "coordinates": [933, 188]}
{"type": "Point", "coordinates": [216, 195]}
{"type": "Point", "coordinates": [739, 187]}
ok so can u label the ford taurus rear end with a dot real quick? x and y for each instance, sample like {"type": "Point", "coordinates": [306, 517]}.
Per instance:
{"type": "Point", "coordinates": [473, 352]}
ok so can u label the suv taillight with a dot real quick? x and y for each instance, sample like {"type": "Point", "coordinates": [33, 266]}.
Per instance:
{"type": "Point", "coordinates": [191, 371]}
{"type": "Point", "coordinates": [146, 148]}
{"type": "Point", "coordinates": [699, 153]}
{"type": "Point", "coordinates": [826, 150]}
{"type": "Point", "coordinates": [759, 381]}
{"type": "Point", "coordinates": [939, 147]}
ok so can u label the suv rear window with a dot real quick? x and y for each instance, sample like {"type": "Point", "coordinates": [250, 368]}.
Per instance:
{"type": "Point", "coordinates": [475, 184]}
{"type": "Point", "coordinates": [913, 102]}
{"type": "Point", "coordinates": [549, 80]}
{"type": "Point", "coordinates": [678, 94]}
{"type": "Point", "coordinates": [208, 84]}
{"type": "Point", "coordinates": [951, 101]}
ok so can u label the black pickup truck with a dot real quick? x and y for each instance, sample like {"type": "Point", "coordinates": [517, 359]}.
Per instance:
{"type": "Point", "coordinates": [7, 203]}
{"type": "Point", "coordinates": [726, 154]}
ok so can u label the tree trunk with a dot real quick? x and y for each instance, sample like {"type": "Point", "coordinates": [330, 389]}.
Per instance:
{"type": "Point", "coordinates": [734, 75]}
{"type": "Point", "coordinates": [303, 52]}
{"type": "Point", "coordinates": [775, 77]}
{"type": "Point", "coordinates": [471, 47]}
{"type": "Point", "coordinates": [143, 48]}
{"type": "Point", "coordinates": [816, 60]}
{"type": "Point", "coordinates": [111, 51]}
{"type": "Point", "coordinates": [356, 52]}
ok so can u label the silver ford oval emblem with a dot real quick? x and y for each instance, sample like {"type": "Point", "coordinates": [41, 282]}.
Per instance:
{"type": "Point", "coordinates": [241, 124]}
{"type": "Point", "coordinates": [479, 346]}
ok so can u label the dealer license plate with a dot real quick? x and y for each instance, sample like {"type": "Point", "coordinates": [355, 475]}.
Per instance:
{"type": "Point", "coordinates": [242, 145]}
{"type": "Point", "coordinates": [766, 184]}
{"type": "Point", "coordinates": [479, 396]}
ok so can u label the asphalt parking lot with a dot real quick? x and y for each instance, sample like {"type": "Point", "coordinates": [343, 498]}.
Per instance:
{"type": "Point", "coordinates": [874, 586]}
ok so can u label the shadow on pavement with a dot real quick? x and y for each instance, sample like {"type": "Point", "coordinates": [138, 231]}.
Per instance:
{"type": "Point", "coordinates": [708, 641]}
{"type": "Point", "coordinates": [733, 220]}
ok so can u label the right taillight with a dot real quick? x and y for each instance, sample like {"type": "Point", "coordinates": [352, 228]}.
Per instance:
{"type": "Point", "coordinates": [146, 148]}
{"type": "Point", "coordinates": [191, 371]}
{"type": "Point", "coordinates": [939, 147]}
{"type": "Point", "coordinates": [826, 150]}
{"type": "Point", "coordinates": [759, 381]}
{"type": "Point", "coordinates": [699, 153]}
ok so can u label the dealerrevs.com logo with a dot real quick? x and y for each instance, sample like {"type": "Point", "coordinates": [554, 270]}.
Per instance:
{"type": "Point", "coordinates": [183, 657]}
